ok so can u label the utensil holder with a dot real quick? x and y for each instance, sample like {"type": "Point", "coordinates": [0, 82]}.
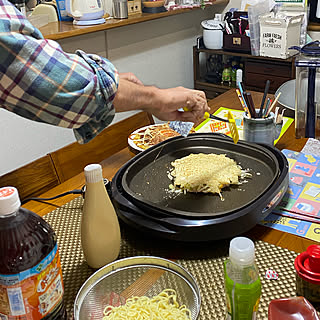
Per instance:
{"type": "Point", "coordinates": [261, 130]}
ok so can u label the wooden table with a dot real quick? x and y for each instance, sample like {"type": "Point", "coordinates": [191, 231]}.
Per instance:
{"type": "Point", "coordinates": [113, 163]}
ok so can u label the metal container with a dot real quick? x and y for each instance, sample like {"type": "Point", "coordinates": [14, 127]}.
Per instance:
{"type": "Point", "coordinates": [120, 9]}
{"type": "Point", "coordinates": [307, 97]}
{"type": "Point", "coordinates": [261, 130]}
{"type": "Point", "coordinates": [135, 276]}
{"type": "Point", "coordinates": [213, 32]}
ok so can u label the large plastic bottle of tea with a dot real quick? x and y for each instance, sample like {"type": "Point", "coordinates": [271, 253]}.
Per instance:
{"type": "Point", "coordinates": [31, 285]}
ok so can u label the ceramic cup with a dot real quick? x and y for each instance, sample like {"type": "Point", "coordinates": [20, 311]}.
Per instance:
{"type": "Point", "coordinates": [261, 130]}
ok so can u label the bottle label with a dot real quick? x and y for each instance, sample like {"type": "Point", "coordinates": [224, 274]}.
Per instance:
{"type": "Point", "coordinates": [33, 293]}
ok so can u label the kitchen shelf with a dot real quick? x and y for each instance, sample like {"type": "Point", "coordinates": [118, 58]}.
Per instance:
{"type": "Point", "coordinates": [257, 70]}
{"type": "Point", "coordinates": [63, 29]}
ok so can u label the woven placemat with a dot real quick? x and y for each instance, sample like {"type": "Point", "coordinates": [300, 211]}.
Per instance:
{"type": "Point", "coordinates": [204, 261]}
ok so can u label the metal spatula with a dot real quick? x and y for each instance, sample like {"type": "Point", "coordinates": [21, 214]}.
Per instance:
{"type": "Point", "coordinates": [184, 128]}
{"type": "Point", "coordinates": [232, 124]}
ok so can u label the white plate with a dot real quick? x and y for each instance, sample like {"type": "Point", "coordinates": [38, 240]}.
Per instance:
{"type": "Point", "coordinates": [140, 130]}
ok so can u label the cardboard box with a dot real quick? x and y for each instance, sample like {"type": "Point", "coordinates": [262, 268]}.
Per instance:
{"type": "Point", "coordinates": [278, 34]}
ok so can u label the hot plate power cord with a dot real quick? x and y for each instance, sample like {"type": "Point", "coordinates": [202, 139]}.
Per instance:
{"type": "Point", "coordinates": [81, 191]}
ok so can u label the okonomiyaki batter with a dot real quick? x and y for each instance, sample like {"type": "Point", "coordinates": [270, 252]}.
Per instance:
{"type": "Point", "coordinates": [207, 173]}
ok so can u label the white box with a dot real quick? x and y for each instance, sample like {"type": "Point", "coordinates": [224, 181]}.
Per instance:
{"type": "Point", "coordinates": [278, 34]}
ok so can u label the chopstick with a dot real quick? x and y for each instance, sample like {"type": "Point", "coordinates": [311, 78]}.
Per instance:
{"type": "Point", "coordinates": [266, 89]}
{"type": "Point", "coordinates": [297, 217]}
{"type": "Point", "coordinates": [250, 104]}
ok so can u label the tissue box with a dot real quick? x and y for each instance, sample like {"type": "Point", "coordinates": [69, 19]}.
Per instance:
{"type": "Point", "coordinates": [278, 34]}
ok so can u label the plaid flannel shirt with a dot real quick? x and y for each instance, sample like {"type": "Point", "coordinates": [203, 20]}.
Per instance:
{"type": "Point", "coordinates": [41, 82]}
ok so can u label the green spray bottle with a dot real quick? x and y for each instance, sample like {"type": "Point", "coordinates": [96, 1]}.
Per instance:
{"type": "Point", "coordinates": [242, 282]}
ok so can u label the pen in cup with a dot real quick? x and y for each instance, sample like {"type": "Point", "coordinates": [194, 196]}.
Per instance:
{"type": "Point", "coordinates": [242, 102]}
{"type": "Point", "coordinates": [273, 104]}
{"type": "Point", "coordinates": [265, 110]}
{"type": "Point", "coordinates": [242, 93]}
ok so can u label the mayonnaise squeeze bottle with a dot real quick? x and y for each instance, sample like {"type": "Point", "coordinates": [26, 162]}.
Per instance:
{"type": "Point", "coordinates": [100, 230]}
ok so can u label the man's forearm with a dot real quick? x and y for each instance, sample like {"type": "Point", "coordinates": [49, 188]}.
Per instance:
{"type": "Point", "coordinates": [131, 96]}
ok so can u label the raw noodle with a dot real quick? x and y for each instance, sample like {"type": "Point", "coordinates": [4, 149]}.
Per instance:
{"type": "Point", "coordinates": [164, 306]}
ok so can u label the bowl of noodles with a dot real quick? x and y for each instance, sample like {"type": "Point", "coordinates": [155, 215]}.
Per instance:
{"type": "Point", "coordinates": [141, 287]}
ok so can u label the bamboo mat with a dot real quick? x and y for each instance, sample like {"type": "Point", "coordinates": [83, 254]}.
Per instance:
{"type": "Point", "coordinates": [204, 261]}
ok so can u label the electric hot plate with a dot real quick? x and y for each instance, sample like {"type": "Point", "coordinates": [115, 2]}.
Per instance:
{"type": "Point", "coordinates": [143, 200]}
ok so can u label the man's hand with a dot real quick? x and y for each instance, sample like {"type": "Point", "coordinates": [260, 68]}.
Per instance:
{"type": "Point", "coordinates": [168, 101]}
{"type": "Point", "coordinates": [162, 103]}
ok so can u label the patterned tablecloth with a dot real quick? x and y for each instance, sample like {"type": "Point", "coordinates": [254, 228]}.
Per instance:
{"type": "Point", "coordinates": [204, 261]}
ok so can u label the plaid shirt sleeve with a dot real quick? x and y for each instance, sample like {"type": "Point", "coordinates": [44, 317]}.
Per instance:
{"type": "Point", "coordinates": [41, 82]}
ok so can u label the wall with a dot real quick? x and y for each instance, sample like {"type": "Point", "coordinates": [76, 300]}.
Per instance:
{"type": "Point", "coordinates": [159, 52]}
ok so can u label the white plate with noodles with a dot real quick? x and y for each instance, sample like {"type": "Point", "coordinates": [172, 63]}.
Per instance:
{"type": "Point", "coordinates": [145, 137]}
{"type": "Point", "coordinates": [141, 282]}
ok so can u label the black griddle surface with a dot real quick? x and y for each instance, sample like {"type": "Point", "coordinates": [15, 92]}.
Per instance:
{"type": "Point", "coordinates": [146, 180]}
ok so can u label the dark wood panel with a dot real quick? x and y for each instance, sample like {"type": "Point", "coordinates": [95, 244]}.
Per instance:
{"type": "Point", "coordinates": [257, 70]}
{"type": "Point", "coordinates": [211, 90]}
{"type": "Point", "coordinates": [71, 160]}
{"type": "Point", "coordinates": [258, 81]}
{"type": "Point", "coordinates": [266, 67]}
{"type": "Point", "coordinates": [32, 179]}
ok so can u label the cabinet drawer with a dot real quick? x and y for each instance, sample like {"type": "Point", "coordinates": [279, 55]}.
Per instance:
{"type": "Point", "coordinates": [259, 81]}
{"type": "Point", "coordinates": [269, 68]}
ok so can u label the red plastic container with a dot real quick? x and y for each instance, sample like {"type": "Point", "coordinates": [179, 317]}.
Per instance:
{"type": "Point", "coordinates": [307, 265]}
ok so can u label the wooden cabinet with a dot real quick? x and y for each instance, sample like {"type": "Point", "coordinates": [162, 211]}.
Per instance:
{"type": "Point", "coordinates": [256, 71]}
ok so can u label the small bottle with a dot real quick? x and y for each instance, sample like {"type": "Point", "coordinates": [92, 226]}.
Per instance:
{"type": "Point", "coordinates": [100, 230]}
{"type": "Point", "coordinates": [239, 76]}
{"type": "Point", "coordinates": [226, 75]}
{"type": "Point", "coordinates": [242, 282]}
{"type": "Point", "coordinates": [234, 68]}
{"type": "Point", "coordinates": [31, 285]}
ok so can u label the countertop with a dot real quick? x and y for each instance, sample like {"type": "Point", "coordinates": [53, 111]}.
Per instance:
{"type": "Point", "coordinates": [62, 29]}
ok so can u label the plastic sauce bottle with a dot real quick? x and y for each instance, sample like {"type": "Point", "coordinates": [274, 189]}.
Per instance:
{"type": "Point", "coordinates": [242, 282]}
{"type": "Point", "coordinates": [100, 231]}
{"type": "Point", "coordinates": [31, 285]}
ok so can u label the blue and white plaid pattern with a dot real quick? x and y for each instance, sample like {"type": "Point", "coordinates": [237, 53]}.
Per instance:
{"type": "Point", "coordinates": [41, 82]}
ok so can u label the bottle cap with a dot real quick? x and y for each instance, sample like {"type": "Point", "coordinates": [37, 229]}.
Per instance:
{"type": "Point", "coordinates": [9, 200]}
{"type": "Point", "coordinates": [307, 264]}
{"type": "Point", "coordinates": [93, 173]}
{"type": "Point", "coordinates": [241, 251]}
